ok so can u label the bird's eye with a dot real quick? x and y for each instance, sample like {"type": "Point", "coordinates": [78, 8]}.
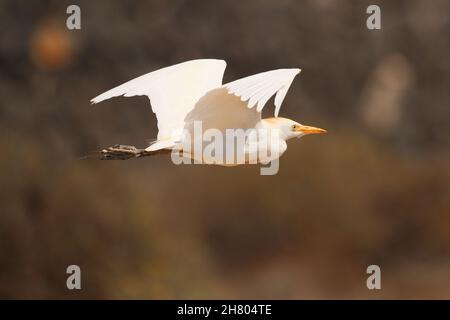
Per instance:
{"type": "Point", "coordinates": [294, 127]}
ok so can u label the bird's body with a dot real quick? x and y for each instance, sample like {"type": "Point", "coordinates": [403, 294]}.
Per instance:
{"type": "Point", "coordinates": [205, 120]}
{"type": "Point", "coordinates": [254, 145]}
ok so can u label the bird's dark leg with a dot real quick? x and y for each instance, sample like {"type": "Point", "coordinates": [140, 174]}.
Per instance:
{"type": "Point", "coordinates": [124, 152]}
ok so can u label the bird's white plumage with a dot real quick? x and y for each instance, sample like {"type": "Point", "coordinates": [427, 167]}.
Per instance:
{"type": "Point", "coordinates": [220, 110]}
{"type": "Point", "coordinates": [231, 106]}
{"type": "Point", "coordinates": [259, 88]}
{"type": "Point", "coordinates": [173, 91]}
{"type": "Point", "coordinates": [193, 91]}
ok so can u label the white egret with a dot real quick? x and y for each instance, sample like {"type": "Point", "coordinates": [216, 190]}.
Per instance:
{"type": "Point", "coordinates": [192, 92]}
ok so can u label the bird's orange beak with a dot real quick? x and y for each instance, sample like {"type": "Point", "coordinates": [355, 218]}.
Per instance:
{"type": "Point", "coordinates": [309, 130]}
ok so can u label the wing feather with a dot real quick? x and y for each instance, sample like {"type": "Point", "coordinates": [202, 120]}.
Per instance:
{"type": "Point", "coordinates": [259, 88]}
{"type": "Point", "coordinates": [173, 91]}
{"type": "Point", "coordinates": [231, 106]}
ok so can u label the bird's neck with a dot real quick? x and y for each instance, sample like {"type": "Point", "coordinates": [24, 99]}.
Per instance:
{"type": "Point", "coordinates": [272, 125]}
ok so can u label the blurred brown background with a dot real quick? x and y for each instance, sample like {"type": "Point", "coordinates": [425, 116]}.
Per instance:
{"type": "Point", "coordinates": [375, 190]}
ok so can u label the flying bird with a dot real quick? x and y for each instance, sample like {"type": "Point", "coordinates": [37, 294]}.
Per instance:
{"type": "Point", "coordinates": [192, 92]}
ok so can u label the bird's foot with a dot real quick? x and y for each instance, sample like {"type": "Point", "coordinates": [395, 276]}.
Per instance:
{"type": "Point", "coordinates": [124, 152]}
{"type": "Point", "coordinates": [125, 147]}
{"type": "Point", "coordinates": [121, 152]}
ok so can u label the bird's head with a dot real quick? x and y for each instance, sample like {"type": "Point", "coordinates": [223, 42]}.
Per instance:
{"type": "Point", "coordinates": [291, 129]}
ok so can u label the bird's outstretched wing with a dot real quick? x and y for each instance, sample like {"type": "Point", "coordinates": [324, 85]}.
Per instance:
{"type": "Point", "coordinates": [259, 88]}
{"type": "Point", "coordinates": [232, 105]}
{"type": "Point", "coordinates": [173, 91]}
